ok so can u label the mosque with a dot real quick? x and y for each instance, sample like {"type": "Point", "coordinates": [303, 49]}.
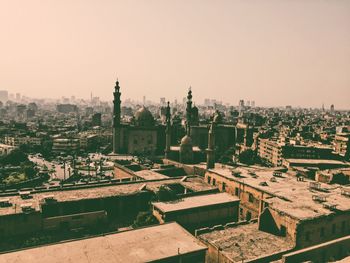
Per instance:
{"type": "Point", "coordinates": [145, 136]}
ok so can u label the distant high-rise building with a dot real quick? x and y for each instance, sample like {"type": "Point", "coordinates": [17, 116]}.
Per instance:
{"type": "Point", "coordinates": [252, 103]}
{"type": "Point", "coordinates": [248, 103]}
{"type": "Point", "coordinates": [144, 100]}
{"type": "Point", "coordinates": [162, 101]}
{"type": "Point", "coordinates": [4, 95]}
{"type": "Point", "coordinates": [18, 96]}
{"type": "Point", "coordinates": [332, 108]}
{"type": "Point", "coordinates": [241, 105]}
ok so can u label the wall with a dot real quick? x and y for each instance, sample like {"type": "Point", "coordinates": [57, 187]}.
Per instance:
{"type": "Point", "coordinates": [250, 204]}
{"type": "Point", "coordinates": [329, 251]}
{"type": "Point", "coordinates": [199, 217]}
{"type": "Point", "coordinates": [19, 224]}
{"type": "Point", "coordinates": [75, 220]}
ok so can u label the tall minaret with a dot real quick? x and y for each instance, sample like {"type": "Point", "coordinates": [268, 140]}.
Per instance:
{"type": "Point", "coordinates": [189, 112]}
{"type": "Point", "coordinates": [211, 146]}
{"type": "Point", "coordinates": [116, 118]}
{"type": "Point", "coordinates": [167, 132]}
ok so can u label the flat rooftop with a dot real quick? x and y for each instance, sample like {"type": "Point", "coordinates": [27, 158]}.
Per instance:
{"type": "Point", "coordinates": [195, 202]}
{"type": "Point", "coordinates": [67, 195]}
{"type": "Point", "coordinates": [139, 245]}
{"type": "Point", "coordinates": [315, 161]}
{"type": "Point", "coordinates": [150, 175]}
{"type": "Point", "coordinates": [288, 195]}
{"type": "Point", "coordinates": [245, 242]}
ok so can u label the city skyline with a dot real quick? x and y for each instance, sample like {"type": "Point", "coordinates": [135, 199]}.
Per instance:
{"type": "Point", "coordinates": [276, 53]}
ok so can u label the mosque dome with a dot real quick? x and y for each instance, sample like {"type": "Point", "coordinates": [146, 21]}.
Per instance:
{"type": "Point", "coordinates": [186, 140]}
{"type": "Point", "coordinates": [143, 117]}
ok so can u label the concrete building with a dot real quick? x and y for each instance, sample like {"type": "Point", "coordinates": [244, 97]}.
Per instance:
{"type": "Point", "coordinates": [341, 142]}
{"type": "Point", "coordinates": [198, 211]}
{"type": "Point", "coordinates": [308, 212]}
{"type": "Point", "coordinates": [65, 145]}
{"type": "Point", "coordinates": [108, 204]}
{"type": "Point", "coordinates": [274, 152]}
{"type": "Point", "coordinates": [5, 149]}
{"type": "Point", "coordinates": [162, 243]}
{"type": "Point", "coordinates": [20, 140]}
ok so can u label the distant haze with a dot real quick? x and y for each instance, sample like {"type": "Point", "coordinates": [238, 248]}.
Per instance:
{"type": "Point", "coordinates": [278, 52]}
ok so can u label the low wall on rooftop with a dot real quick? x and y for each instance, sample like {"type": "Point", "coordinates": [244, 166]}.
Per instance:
{"type": "Point", "coordinates": [329, 251]}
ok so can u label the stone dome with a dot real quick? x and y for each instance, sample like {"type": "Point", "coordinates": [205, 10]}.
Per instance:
{"type": "Point", "coordinates": [186, 140]}
{"type": "Point", "coordinates": [143, 117]}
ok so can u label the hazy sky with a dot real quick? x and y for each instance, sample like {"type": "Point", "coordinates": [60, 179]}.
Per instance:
{"type": "Point", "coordinates": [274, 52]}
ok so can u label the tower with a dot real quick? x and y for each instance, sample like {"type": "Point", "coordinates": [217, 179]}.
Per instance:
{"type": "Point", "coordinates": [189, 112]}
{"type": "Point", "coordinates": [211, 142]}
{"type": "Point", "coordinates": [116, 118]}
{"type": "Point", "coordinates": [347, 153]}
{"type": "Point", "coordinates": [186, 146]}
{"type": "Point", "coordinates": [167, 131]}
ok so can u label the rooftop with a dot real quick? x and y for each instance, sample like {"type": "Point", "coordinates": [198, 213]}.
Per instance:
{"type": "Point", "coordinates": [140, 245]}
{"type": "Point", "coordinates": [246, 242]}
{"type": "Point", "coordinates": [150, 175]}
{"type": "Point", "coordinates": [193, 183]}
{"type": "Point", "coordinates": [196, 201]}
{"type": "Point", "coordinates": [314, 161]}
{"type": "Point", "coordinates": [288, 195]}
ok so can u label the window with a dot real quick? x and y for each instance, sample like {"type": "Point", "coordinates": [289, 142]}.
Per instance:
{"type": "Point", "coordinates": [236, 191]}
{"type": "Point", "coordinates": [223, 186]}
{"type": "Point", "coordinates": [251, 198]}
{"type": "Point", "coordinates": [322, 232]}
{"type": "Point", "coordinates": [214, 181]}
{"type": "Point", "coordinates": [241, 211]}
{"type": "Point", "coordinates": [135, 141]}
{"type": "Point", "coordinates": [209, 179]}
{"type": "Point", "coordinates": [248, 216]}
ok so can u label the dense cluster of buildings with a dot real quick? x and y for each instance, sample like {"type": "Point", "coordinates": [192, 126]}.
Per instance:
{"type": "Point", "coordinates": [206, 183]}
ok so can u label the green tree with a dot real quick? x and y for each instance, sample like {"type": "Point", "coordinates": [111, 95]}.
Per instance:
{"type": "Point", "coordinates": [247, 157]}
{"type": "Point", "coordinates": [145, 219]}
{"type": "Point", "coordinates": [15, 157]}
{"type": "Point", "coordinates": [29, 171]}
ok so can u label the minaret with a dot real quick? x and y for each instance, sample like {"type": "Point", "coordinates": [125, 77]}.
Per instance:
{"type": "Point", "coordinates": [116, 118]}
{"type": "Point", "coordinates": [211, 146]}
{"type": "Point", "coordinates": [347, 153]}
{"type": "Point", "coordinates": [167, 131]}
{"type": "Point", "coordinates": [189, 112]}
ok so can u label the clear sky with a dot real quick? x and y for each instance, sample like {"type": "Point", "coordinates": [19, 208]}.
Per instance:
{"type": "Point", "coordinates": [272, 51]}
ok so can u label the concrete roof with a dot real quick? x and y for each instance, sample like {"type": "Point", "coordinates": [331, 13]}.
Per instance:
{"type": "Point", "coordinates": [193, 183]}
{"type": "Point", "coordinates": [290, 196]}
{"type": "Point", "coordinates": [150, 175]}
{"type": "Point", "coordinates": [140, 245]}
{"type": "Point", "coordinates": [246, 242]}
{"type": "Point", "coordinates": [196, 201]}
{"type": "Point", "coordinates": [314, 161]}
